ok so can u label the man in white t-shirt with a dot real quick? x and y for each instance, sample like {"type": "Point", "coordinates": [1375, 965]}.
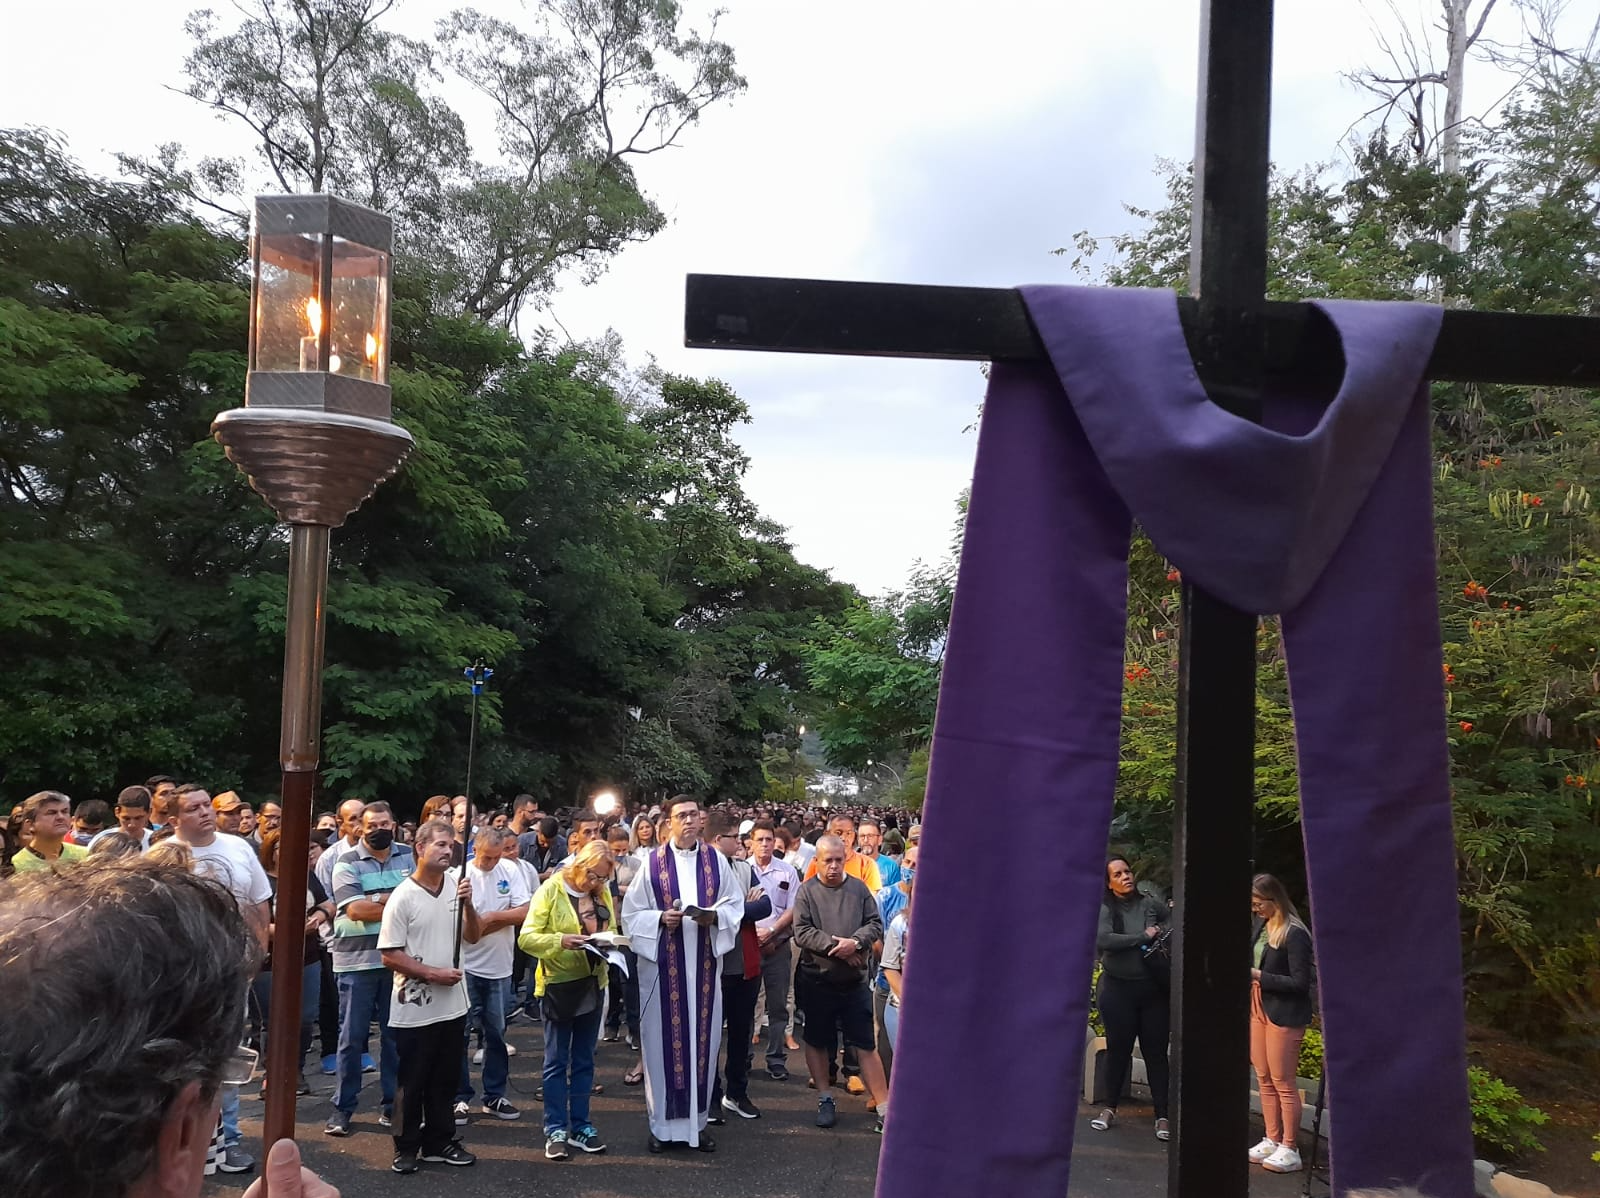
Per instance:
{"type": "Point", "coordinates": [230, 861]}
{"type": "Point", "coordinates": [500, 896]}
{"type": "Point", "coordinates": [429, 1009]}
{"type": "Point", "coordinates": [133, 816]}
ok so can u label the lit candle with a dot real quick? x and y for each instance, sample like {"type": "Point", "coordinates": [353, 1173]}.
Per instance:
{"type": "Point", "coordinates": [308, 345]}
{"type": "Point", "coordinates": [372, 349]}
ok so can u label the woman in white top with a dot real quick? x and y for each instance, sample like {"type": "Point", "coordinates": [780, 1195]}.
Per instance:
{"type": "Point", "coordinates": [642, 842]}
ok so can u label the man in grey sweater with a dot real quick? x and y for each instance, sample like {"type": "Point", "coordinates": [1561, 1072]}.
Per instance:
{"type": "Point", "coordinates": [836, 923]}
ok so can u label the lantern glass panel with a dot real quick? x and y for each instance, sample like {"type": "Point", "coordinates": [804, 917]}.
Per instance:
{"type": "Point", "coordinates": [288, 318]}
{"type": "Point", "coordinates": [360, 312]}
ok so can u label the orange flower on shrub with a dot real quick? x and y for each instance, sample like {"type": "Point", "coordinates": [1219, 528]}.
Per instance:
{"type": "Point", "coordinates": [1466, 725]}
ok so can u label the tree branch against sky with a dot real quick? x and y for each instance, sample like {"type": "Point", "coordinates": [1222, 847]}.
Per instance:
{"type": "Point", "coordinates": [579, 89]}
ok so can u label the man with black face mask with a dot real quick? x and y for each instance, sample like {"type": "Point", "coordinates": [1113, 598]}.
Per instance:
{"type": "Point", "coordinates": [363, 879]}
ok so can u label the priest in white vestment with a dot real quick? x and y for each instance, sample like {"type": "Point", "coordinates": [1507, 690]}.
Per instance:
{"type": "Point", "coordinates": [680, 980]}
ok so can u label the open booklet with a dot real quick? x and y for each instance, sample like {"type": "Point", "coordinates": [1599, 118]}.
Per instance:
{"type": "Point", "coordinates": [690, 911]}
{"type": "Point", "coordinates": [608, 950]}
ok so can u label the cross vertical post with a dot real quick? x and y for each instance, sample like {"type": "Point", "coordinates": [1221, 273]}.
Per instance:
{"type": "Point", "coordinates": [1213, 797]}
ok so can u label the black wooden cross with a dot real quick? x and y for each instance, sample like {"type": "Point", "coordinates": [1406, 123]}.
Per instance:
{"type": "Point", "coordinates": [1235, 338]}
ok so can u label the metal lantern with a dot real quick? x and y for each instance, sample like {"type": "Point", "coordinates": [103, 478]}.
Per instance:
{"type": "Point", "coordinates": [319, 319]}
{"type": "Point", "coordinates": [315, 439]}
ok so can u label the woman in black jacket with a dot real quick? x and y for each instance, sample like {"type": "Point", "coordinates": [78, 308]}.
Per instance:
{"type": "Point", "coordinates": [1280, 1009]}
{"type": "Point", "coordinates": [1132, 1004]}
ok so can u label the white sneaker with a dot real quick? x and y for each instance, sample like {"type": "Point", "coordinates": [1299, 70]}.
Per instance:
{"type": "Point", "coordinates": [511, 1050]}
{"type": "Point", "coordinates": [1285, 1160]}
{"type": "Point", "coordinates": [1262, 1151]}
{"type": "Point", "coordinates": [1104, 1120]}
{"type": "Point", "coordinates": [477, 1057]}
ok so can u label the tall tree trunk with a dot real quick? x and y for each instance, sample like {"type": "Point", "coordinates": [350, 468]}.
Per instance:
{"type": "Point", "coordinates": [1457, 41]}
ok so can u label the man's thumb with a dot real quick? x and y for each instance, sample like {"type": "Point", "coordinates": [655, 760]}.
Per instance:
{"type": "Point", "coordinates": [283, 1170]}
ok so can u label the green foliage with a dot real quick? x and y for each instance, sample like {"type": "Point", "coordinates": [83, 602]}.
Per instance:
{"type": "Point", "coordinates": [878, 691]}
{"type": "Point", "coordinates": [1518, 534]}
{"type": "Point", "coordinates": [874, 674]}
{"type": "Point", "coordinates": [1310, 1063]}
{"type": "Point", "coordinates": [591, 543]}
{"type": "Point", "coordinates": [1501, 1121]}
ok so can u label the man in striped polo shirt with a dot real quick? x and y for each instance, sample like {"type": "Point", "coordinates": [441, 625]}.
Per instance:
{"type": "Point", "coordinates": [363, 879]}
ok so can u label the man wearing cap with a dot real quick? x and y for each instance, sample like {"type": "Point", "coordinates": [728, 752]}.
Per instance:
{"type": "Point", "coordinates": [226, 806]}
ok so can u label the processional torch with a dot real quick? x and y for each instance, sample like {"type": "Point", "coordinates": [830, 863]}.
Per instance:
{"type": "Point", "coordinates": [315, 439]}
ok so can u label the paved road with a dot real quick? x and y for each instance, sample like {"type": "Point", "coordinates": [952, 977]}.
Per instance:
{"type": "Point", "coordinates": [781, 1155]}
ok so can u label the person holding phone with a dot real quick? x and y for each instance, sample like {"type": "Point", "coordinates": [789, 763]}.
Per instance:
{"type": "Point", "coordinates": [1132, 1004]}
{"type": "Point", "coordinates": [1280, 1011]}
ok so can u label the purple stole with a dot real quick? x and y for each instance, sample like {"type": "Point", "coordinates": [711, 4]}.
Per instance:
{"type": "Point", "coordinates": [1322, 514]}
{"type": "Point", "coordinates": [673, 975]}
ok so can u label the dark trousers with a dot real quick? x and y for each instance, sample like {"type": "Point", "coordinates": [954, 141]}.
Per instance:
{"type": "Point", "coordinates": [776, 973]}
{"type": "Point", "coordinates": [739, 1008]}
{"type": "Point", "coordinates": [430, 1066]}
{"type": "Point", "coordinates": [1135, 1009]}
{"type": "Point", "coordinates": [622, 998]}
{"type": "Point", "coordinates": [310, 996]}
{"type": "Point", "coordinates": [328, 1008]}
{"type": "Point", "coordinates": [522, 966]}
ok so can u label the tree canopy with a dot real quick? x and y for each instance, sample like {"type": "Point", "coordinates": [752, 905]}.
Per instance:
{"type": "Point", "coordinates": [590, 540]}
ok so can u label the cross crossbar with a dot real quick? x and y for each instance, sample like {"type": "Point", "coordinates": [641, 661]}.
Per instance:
{"type": "Point", "coordinates": [909, 320]}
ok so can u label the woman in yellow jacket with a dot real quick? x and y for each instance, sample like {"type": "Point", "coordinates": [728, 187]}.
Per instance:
{"type": "Point", "coordinates": [573, 904]}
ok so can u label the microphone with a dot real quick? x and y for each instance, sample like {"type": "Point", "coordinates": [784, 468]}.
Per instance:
{"type": "Point", "coordinates": [677, 904]}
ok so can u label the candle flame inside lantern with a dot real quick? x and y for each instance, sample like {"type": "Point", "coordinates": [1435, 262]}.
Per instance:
{"type": "Point", "coordinates": [372, 348]}
{"type": "Point", "coordinates": [314, 316]}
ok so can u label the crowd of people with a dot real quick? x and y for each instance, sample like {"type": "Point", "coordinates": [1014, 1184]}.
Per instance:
{"type": "Point", "coordinates": [698, 936]}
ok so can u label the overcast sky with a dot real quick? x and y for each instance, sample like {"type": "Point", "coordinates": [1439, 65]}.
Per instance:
{"type": "Point", "coordinates": [909, 140]}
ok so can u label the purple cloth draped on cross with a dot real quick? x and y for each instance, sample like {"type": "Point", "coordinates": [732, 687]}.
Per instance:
{"type": "Point", "coordinates": [1323, 514]}
{"type": "Point", "coordinates": [670, 961]}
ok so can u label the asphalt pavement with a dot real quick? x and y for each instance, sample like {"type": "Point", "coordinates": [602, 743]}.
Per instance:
{"type": "Point", "coordinates": [781, 1155]}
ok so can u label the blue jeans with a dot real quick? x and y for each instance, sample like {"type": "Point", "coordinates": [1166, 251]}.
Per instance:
{"type": "Point", "coordinates": [230, 1115]}
{"type": "Point", "coordinates": [363, 997]}
{"type": "Point", "coordinates": [487, 999]}
{"type": "Point", "coordinates": [569, 1071]}
{"type": "Point", "coordinates": [310, 1000]}
{"type": "Point", "coordinates": [891, 1022]}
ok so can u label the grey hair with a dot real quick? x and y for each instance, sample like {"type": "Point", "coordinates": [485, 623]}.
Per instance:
{"type": "Point", "coordinates": [493, 837]}
{"type": "Point", "coordinates": [31, 805]}
{"type": "Point", "coordinates": [85, 1090]}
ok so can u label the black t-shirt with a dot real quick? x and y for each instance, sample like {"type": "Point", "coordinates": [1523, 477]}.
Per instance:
{"type": "Point", "coordinates": [315, 897]}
